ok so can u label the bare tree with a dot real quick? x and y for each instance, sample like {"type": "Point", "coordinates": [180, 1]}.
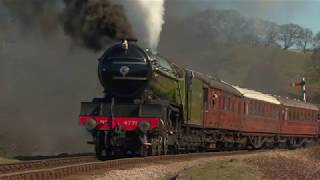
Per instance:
{"type": "Point", "coordinates": [272, 35]}
{"type": "Point", "coordinates": [289, 34]}
{"type": "Point", "coordinates": [251, 39]}
{"type": "Point", "coordinates": [313, 70]}
{"type": "Point", "coordinates": [305, 39]}
{"type": "Point", "coordinates": [316, 41]}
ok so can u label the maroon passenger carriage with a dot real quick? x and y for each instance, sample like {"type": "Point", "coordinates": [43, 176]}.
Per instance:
{"type": "Point", "coordinates": [250, 118]}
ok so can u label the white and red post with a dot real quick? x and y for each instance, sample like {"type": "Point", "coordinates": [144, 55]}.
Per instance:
{"type": "Point", "coordinates": [301, 84]}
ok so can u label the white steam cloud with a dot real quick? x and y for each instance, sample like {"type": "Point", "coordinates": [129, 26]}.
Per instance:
{"type": "Point", "coordinates": [146, 18]}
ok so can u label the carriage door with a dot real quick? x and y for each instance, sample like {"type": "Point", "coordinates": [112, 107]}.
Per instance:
{"type": "Point", "coordinates": [196, 102]}
{"type": "Point", "coordinates": [213, 109]}
{"type": "Point", "coordinates": [206, 113]}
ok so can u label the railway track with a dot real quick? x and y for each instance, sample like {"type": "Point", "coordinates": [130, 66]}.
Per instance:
{"type": "Point", "coordinates": [63, 167]}
{"type": "Point", "coordinates": [45, 163]}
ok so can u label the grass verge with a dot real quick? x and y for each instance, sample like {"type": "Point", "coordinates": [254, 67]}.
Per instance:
{"type": "Point", "coordinates": [7, 160]}
{"type": "Point", "coordinates": [224, 169]}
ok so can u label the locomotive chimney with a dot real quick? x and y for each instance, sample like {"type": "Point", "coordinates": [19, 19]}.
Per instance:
{"type": "Point", "coordinates": [125, 44]}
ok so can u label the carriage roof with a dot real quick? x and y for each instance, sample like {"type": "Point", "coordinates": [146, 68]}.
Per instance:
{"type": "Point", "coordinates": [252, 94]}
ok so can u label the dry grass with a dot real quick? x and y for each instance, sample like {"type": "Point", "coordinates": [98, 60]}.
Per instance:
{"type": "Point", "coordinates": [227, 169]}
{"type": "Point", "coordinates": [6, 160]}
{"type": "Point", "coordinates": [299, 164]}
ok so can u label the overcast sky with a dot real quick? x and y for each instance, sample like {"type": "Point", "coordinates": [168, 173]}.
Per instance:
{"type": "Point", "coordinates": [303, 12]}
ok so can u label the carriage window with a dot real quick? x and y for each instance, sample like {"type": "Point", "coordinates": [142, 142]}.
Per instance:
{"type": "Point", "coordinates": [222, 103]}
{"type": "Point", "coordinates": [252, 108]}
{"type": "Point", "coordinates": [305, 116]}
{"type": "Point", "coordinates": [290, 115]}
{"type": "Point", "coordinates": [286, 115]}
{"type": "Point", "coordinates": [205, 98]}
{"type": "Point", "coordinates": [309, 118]}
{"type": "Point", "coordinates": [273, 112]}
{"type": "Point", "coordinates": [310, 114]}
{"type": "Point", "coordinates": [257, 108]}
{"type": "Point", "coordinates": [232, 106]}
{"type": "Point", "coordinates": [293, 115]}
{"type": "Point", "coordinates": [212, 103]}
{"type": "Point", "coordinates": [245, 108]}
{"type": "Point", "coordinates": [225, 103]}
{"type": "Point", "coordinates": [228, 104]}
{"type": "Point", "coordinates": [276, 113]}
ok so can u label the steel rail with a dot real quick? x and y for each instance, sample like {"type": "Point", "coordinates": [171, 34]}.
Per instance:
{"type": "Point", "coordinates": [62, 169]}
{"type": "Point", "coordinates": [37, 164]}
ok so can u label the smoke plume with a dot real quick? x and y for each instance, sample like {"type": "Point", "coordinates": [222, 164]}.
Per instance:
{"type": "Point", "coordinates": [34, 16]}
{"type": "Point", "coordinates": [147, 18]}
{"type": "Point", "coordinates": [95, 23]}
{"type": "Point", "coordinates": [42, 81]}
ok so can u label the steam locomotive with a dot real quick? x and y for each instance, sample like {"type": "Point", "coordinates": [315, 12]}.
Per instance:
{"type": "Point", "coordinates": [153, 106]}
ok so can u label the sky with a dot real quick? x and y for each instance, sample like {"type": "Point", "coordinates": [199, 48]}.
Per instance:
{"type": "Point", "coordinates": [303, 12]}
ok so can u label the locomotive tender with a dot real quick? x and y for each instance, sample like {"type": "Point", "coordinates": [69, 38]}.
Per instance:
{"type": "Point", "coordinates": [152, 107]}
